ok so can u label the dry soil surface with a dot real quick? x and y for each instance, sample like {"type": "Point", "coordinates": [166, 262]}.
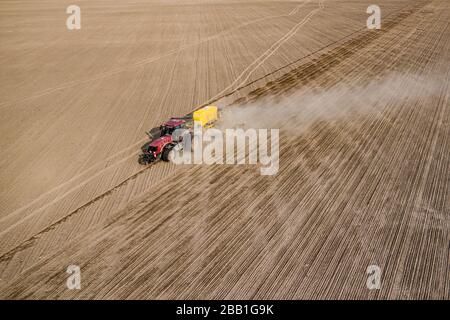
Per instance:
{"type": "Point", "coordinates": [364, 179]}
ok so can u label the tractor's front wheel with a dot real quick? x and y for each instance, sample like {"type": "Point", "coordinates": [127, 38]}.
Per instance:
{"type": "Point", "coordinates": [166, 154]}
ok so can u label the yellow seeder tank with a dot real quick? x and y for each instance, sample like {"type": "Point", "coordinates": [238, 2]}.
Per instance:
{"type": "Point", "coordinates": [206, 116]}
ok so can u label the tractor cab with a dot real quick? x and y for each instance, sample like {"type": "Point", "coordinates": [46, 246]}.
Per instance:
{"type": "Point", "coordinates": [170, 126]}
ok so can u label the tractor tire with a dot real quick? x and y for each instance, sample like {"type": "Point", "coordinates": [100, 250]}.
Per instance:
{"type": "Point", "coordinates": [165, 156]}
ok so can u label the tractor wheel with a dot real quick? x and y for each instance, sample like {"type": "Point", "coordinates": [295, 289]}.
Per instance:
{"type": "Point", "coordinates": [166, 153]}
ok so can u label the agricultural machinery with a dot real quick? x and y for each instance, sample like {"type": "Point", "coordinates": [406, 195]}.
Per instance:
{"type": "Point", "coordinates": [163, 139]}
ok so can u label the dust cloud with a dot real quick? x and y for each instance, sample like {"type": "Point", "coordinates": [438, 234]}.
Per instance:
{"type": "Point", "coordinates": [296, 112]}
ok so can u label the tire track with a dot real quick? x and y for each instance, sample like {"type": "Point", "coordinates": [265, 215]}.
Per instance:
{"type": "Point", "coordinates": [269, 52]}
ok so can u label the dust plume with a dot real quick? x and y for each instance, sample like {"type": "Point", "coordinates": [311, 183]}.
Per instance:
{"type": "Point", "coordinates": [296, 112]}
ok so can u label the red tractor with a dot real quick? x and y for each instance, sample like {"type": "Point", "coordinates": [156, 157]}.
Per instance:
{"type": "Point", "coordinates": [162, 142]}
